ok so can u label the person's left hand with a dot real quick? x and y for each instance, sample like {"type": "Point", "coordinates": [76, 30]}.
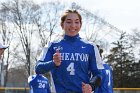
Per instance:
{"type": "Point", "coordinates": [57, 58]}
{"type": "Point", "coordinates": [86, 88]}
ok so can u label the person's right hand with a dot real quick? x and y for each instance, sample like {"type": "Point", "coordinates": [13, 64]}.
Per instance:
{"type": "Point", "coordinates": [86, 88]}
{"type": "Point", "coordinates": [57, 58]}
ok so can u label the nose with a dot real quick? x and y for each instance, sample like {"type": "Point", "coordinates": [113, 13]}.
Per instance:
{"type": "Point", "coordinates": [73, 24]}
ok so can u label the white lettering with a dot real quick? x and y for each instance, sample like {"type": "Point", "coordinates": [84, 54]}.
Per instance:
{"type": "Point", "coordinates": [72, 57]}
{"type": "Point", "coordinates": [86, 57]}
{"type": "Point", "coordinates": [62, 56]}
{"type": "Point", "coordinates": [66, 56]}
{"type": "Point", "coordinates": [42, 81]}
{"type": "Point", "coordinates": [75, 56]}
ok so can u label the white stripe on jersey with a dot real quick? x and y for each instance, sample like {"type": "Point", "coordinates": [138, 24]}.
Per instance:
{"type": "Point", "coordinates": [99, 61]}
{"type": "Point", "coordinates": [52, 84]}
{"type": "Point", "coordinates": [31, 90]}
{"type": "Point", "coordinates": [30, 78]}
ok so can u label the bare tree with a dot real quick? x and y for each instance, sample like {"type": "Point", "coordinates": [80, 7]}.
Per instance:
{"type": "Point", "coordinates": [49, 22]}
{"type": "Point", "coordinates": [95, 28]}
{"type": "Point", "coordinates": [23, 14]}
{"type": "Point", "coordinates": [7, 36]}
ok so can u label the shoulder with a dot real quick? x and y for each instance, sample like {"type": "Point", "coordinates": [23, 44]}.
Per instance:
{"type": "Point", "coordinates": [30, 78]}
{"type": "Point", "coordinates": [44, 77]}
{"type": "Point", "coordinates": [87, 42]}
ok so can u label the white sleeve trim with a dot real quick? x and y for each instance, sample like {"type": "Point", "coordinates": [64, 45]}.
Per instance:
{"type": "Point", "coordinates": [99, 61]}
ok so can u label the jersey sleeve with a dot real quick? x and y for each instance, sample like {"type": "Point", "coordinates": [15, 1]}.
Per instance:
{"type": "Point", "coordinates": [45, 62]}
{"type": "Point", "coordinates": [31, 78]}
{"type": "Point", "coordinates": [95, 66]}
{"type": "Point", "coordinates": [96, 63]}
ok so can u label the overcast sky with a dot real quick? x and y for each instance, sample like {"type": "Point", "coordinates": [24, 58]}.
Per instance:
{"type": "Point", "coordinates": [124, 14]}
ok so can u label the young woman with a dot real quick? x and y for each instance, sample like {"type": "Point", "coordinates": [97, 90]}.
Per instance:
{"type": "Point", "coordinates": [72, 59]}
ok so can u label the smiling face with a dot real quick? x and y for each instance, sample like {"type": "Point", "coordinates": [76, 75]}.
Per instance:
{"type": "Point", "coordinates": [71, 24]}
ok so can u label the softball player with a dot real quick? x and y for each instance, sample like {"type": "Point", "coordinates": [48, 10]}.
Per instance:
{"type": "Point", "coordinates": [38, 84]}
{"type": "Point", "coordinates": [72, 59]}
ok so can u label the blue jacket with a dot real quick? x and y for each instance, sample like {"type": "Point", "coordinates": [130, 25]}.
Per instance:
{"type": "Point", "coordinates": [79, 58]}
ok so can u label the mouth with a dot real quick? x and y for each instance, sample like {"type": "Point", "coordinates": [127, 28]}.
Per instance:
{"type": "Point", "coordinates": [72, 30]}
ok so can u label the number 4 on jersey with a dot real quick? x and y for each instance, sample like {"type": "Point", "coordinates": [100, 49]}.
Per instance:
{"type": "Point", "coordinates": [71, 69]}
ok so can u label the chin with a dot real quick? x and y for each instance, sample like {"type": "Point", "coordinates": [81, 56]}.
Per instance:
{"type": "Point", "coordinates": [72, 34]}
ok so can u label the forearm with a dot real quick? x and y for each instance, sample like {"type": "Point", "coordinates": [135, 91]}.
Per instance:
{"type": "Point", "coordinates": [96, 79]}
{"type": "Point", "coordinates": [95, 82]}
{"type": "Point", "coordinates": [43, 67]}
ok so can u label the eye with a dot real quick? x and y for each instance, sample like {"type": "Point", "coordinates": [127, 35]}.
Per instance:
{"type": "Point", "coordinates": [77, 22]}
{"type": "Point", "coordinates": [68, 22]}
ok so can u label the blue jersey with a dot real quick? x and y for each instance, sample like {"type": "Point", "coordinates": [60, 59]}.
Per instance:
{"type": "Point", "coordinates": [107, 81]}
{"type": "Point", "coordinates": [38, 84]}
{"type": "Point", "coordinates": [78, 59]}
